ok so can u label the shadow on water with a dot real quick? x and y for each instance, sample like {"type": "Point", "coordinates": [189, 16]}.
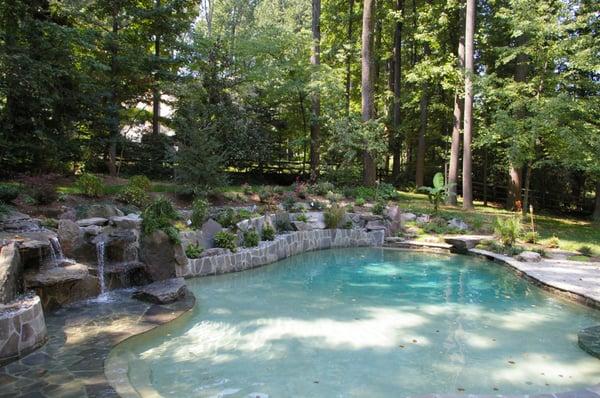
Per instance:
{"type": "Point", "coordinates": [357, 322]}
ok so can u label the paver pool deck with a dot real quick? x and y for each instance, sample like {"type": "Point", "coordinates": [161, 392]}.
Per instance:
{"type": "Point", "coordinates": [71, 364]}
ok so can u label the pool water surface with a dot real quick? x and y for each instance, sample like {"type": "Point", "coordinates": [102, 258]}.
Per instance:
{"type": "Point", "coordinates": [366, 322]}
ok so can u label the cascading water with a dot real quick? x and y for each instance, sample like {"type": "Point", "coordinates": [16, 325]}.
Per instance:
{"type": "Point", "coordinates": [100, 253]}
{"type": "Point", "coordinates": [56, 252]}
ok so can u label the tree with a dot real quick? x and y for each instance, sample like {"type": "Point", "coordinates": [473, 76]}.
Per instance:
{"type": "Point", "coordinates": [457, 119]}
{"type": "Point", "coordinates": [315, 60]}
{"type": "Point", "coordinates": [397, 87]}
{"type": "Point", "coordinates": [369, 167]}
{"type": "Point", "coordinates": [468, 119]}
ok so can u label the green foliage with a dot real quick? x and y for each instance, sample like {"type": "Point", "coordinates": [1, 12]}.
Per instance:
{"type": "Point", "coordinates": [302, 217]}
{"type": "Point", "coordinates": [289, 202]}
{"type": "Point", "coordinates": [283, 225]}
{"type": "Point", "coordinates": [531, 237]}
{"type": "Point", "coordinates": [586, 251]}
{"type": "Point", "coordinates": [438, 193]}
{"type": "Point", "coordinates": [268, 232]}
{"type": "Point", "coordinates": [4, 209]}
{"type": "Point", "coordinates": [334, 217]}
{"type": "Point", "coordinates": [140, 182]}
{"type": "Point", "coordinates": [194, 250]}
{"type": "Point", "coordinates": [553, 242]}
{"type": "Point", "coordinates": [42, 190]}
{"type": "Point", "coordinates": [359, 202]}
{"type": "Point", "coordinates": [333, 197]}
{"type": "Point", "coordinates": [251, 238]}
{"type": "Point", "coordinates": [9, 192]}
{"type": "Point", "coordinates": [229, 217]}
{"type": "Point", "coordinates": [160, 215]}
{"type": "Point", "coordinates": [316, 205]}
{"type": "Point", "coordinates": [386, 191]}
{"type": "Point", "coordinates": [90, 185]}
{"type": "Point", "coordinates": [321, 188]}
{"type": "Point", "coordinates": [226, 240]}
{"type": "Point", "coordinates": [508, 230]}
{"type": "Point", "coordinates": [199, 212]}
{"type": "Point", "coordinates": [378, 208]}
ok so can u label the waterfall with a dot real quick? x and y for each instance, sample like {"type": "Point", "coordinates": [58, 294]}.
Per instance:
{"type": "Point", "coordinates": [100, 248]}
{"type": "Point", "coordinates": [56, 252]}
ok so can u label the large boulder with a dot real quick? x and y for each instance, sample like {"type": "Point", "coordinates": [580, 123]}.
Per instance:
{"type": "Point", "coordinates": [162, 292]}
{"type": "Point", "coordinates": [209, 229]}
{"type": "Point", "coordinates": [458, 224]}
{"type": "Point", "coordinates": [18, 222]}
{"type": "Point", "coordinates": [11, 273]}
{"type": "Point", "coordinates": [462, 244]}
{"type": "Point", "coordinates": [130, 221]}
{"type": "Point", "coordinates": [529, 257]}
{"type": "Point", "coordinates": [86, 222]}
{"type": "Point", "coordinates": [406, 217]}
{"type": "Point", "coordinates": [162, 256]}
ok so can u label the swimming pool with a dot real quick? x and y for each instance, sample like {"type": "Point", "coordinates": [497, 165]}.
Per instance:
{"type": "Point", "coordinates": [365, 322]}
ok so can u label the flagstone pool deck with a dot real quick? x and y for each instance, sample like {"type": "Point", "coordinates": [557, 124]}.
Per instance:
{"type": "Point", "coordinates": [71, 363]}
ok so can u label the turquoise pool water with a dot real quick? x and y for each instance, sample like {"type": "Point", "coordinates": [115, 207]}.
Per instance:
{"type": "Point", "coordinates": [366, 323]}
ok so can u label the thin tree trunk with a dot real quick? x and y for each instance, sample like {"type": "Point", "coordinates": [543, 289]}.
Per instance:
{"type": "Point", "coordinates": [423, 105]}
{"type": "Point", "coordinates": [367, 105]}
{"type": "Point", "coordinates": [596, 215]}
{"type": "Point", "coordinates": [397, 85]}
{"type": "Point", "coordinates": [114, 119]}
{"type": "Point", "coordinates": [457, 114]}
{"type": "Point", "coordinates": [155, 88]}
{"type": "Point", "coordinates": [349, 56]}
{"type": "Point", "coordinates": [527, 185]}
{"type": "Point", "coordinates": [315, 60]}
{"type": "Point", "coordinates": [515, 186]}
{"type": "Point", "coordinates": [468, 119]}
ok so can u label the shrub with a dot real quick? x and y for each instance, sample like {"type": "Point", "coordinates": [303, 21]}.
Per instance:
{"type": "Point", "coordinates": [300, 189]}
{"type": "Point", "coordinates": [90, 185]}
{"type": "Point", "coordinates": [348, 225]}
{"type": "Point", "coordinates": [438, 192]}
{"type": "Point", "coordinates": [160, 215]}
{"type": "Point", "coordinates": [266, 195]}
{"type": "Point", "coordinates": [359, 202]}
{"type": "Point", "coordinates": [199, 212]}
{"type": "Point", "coordinates": [41, 190]}
{"type": "Point", "coordinates": [379, 208]}
{"type": "Point", "coordinates": [321, 188]}
{"type": "Point", "coordinates": [334, 216]}
{"type": "Point", "coordinates": [333, 197]}
{"type": "Point", "coordinates": [289, 202]}
{"type": "Point", "coordinates": [553, 243]}
{"type": "Point", "coordinates": [365, 192]}
{"type": "Point", "coordinates": [283, 225]}
{"type": "Point", "coordinates": [251, 238]}
{"type": "Point", "coordinates": [508, 230]}
{"type": "Point", "coordinates": [268, 232]}
{"type": "Point", "coordinates": [531, 237]}
{"type": "Point", "coordinates": [4, 209]}
{"type": "Point", "coordinates": [8, 192]}
{"type": "Point", "coordinates": [247, 189]}
{"type": "Point", "coordinates": [134, 196]}
{"type": "Point", "coordinates": [386, 191]}
{"type": "Point", "coordinates": [193, 250]}
{"type": "Point", "coordinates": [302, 217]}
{"type": "Point", "coordinates": [226, 240]}
{"type": "Point", "coordinates": [586, 251]}
{"type": "Point", "coordinates": [141, 182]}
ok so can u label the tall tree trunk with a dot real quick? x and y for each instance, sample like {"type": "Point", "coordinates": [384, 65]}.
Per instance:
{"type": "Point", "coordinates": [315, 60]}
{"type": "Point", "coordinates": [527, 186]}
{"type": "Point", "coordinates": [349, 55]}
{"type": "Point", "coordinates": [457, 115]}
{"type": "Point", "coordinates": [423, 106]}
{"type": "Point", "coordinates": [367, 104]}
{"type": "Point", "coordinates": [515, 187]}
{"type": "Point", "coordinates": [155, 88]}
{"type": "Point", "coordinates": [114, 119]}
{"type": "Point", "coordinates": [468, 120]}
{"type": "Point", "coordinates": [397, 81]}
{"type": "Point", "coordinates": [596, 215]}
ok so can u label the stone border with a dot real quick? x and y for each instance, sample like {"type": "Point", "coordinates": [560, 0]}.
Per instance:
{"type": "Point", "coordinates": [282, 247]}
{"type": "Point", "coordinates": [22, 329]}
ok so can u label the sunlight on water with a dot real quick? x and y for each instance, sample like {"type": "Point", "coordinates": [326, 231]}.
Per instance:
{"type": "Point", "coordinates": [366, 322]}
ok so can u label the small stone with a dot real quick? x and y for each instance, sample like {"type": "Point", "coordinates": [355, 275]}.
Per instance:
{"type": "Point", "coordinates": [92, 221]}
{"type": "Point", "coordinates": [529, 257]}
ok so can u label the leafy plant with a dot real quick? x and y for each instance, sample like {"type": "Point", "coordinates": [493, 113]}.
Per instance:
{"type": "Point", "coordinates": [321, 188]}
{"type": "Point", "coordinates": [553, 243]}
{"type": "Point", "coordinates": [199, 212]}
{"type": "Point", "coordinates": [268, 232]}
{"type": "Point", "coordinates": [160, 215]}
{"type": "Point", "coordinates": [141, 182]}
{"type": "Point", "coordinates": [302, 217]}
{"type": "Point", "coordinates": [508, 230]}
{"type": "Point", "coordinates": [531, 237]}
{"type": "Point", "coordinates": [438, 193]}
{"type": "Point", "coordinates": [134, 196]}
{"type": "Point", "coordinates": [300, 189]}
{"type": "Point", "coordinates": [334, 216]}
{"type": "Point", "coordinates": [289, 202]}
{"type": "Point", "coordinates": [379, 208]}
{"type": "Point", "coordinates": [226, 240]}
{"type": "Point", "coordinates": [9, 192]}
{"type": "Point", "coordinates": [90, 185]}
{"type": "Point", "coordinates": [586, 251]}
{"type": "Point", "coordinates": [283, 225]}
{"type": "Point", "coordinates": [4, 209]}
{"type": "Point", "coordinates": [359, 202]}
{"type": "Point", "coordinates": [251, 238]}
{"type": "Point", "coordinates": [247, 189]}
{"type": "Point", "coordinates": [194, 250]}
{"type": "Point", "coordinates": [333, 197]}
{"type": "Point", "coordinates": [41, 190]}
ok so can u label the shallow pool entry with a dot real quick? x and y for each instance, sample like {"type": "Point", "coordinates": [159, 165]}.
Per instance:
{"type": "Point", "coordinates": [366, 323]}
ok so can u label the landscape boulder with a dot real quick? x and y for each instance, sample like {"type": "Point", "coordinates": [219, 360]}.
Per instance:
{"type": "Point", "coordinates": [458, 224]}
{"type": "Point", "coordinates": [529, 257]}
{"type": "Point", "coordinates": [130, 221]}
{"type": "Point", "coordinates": [405, 217]}
{"type": "Point", "coordinates": [161, 255]}
{"type": "Point", "coordinates": [101, 210]}
{"type": "Point", "coordinates": [11, 273]}
{"type": "Point", "coordinates": [209, 229]}
{"type": "Point", "coordinates": [86, 222]}
{"type": "Point", "coordinates": [162, 292]}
